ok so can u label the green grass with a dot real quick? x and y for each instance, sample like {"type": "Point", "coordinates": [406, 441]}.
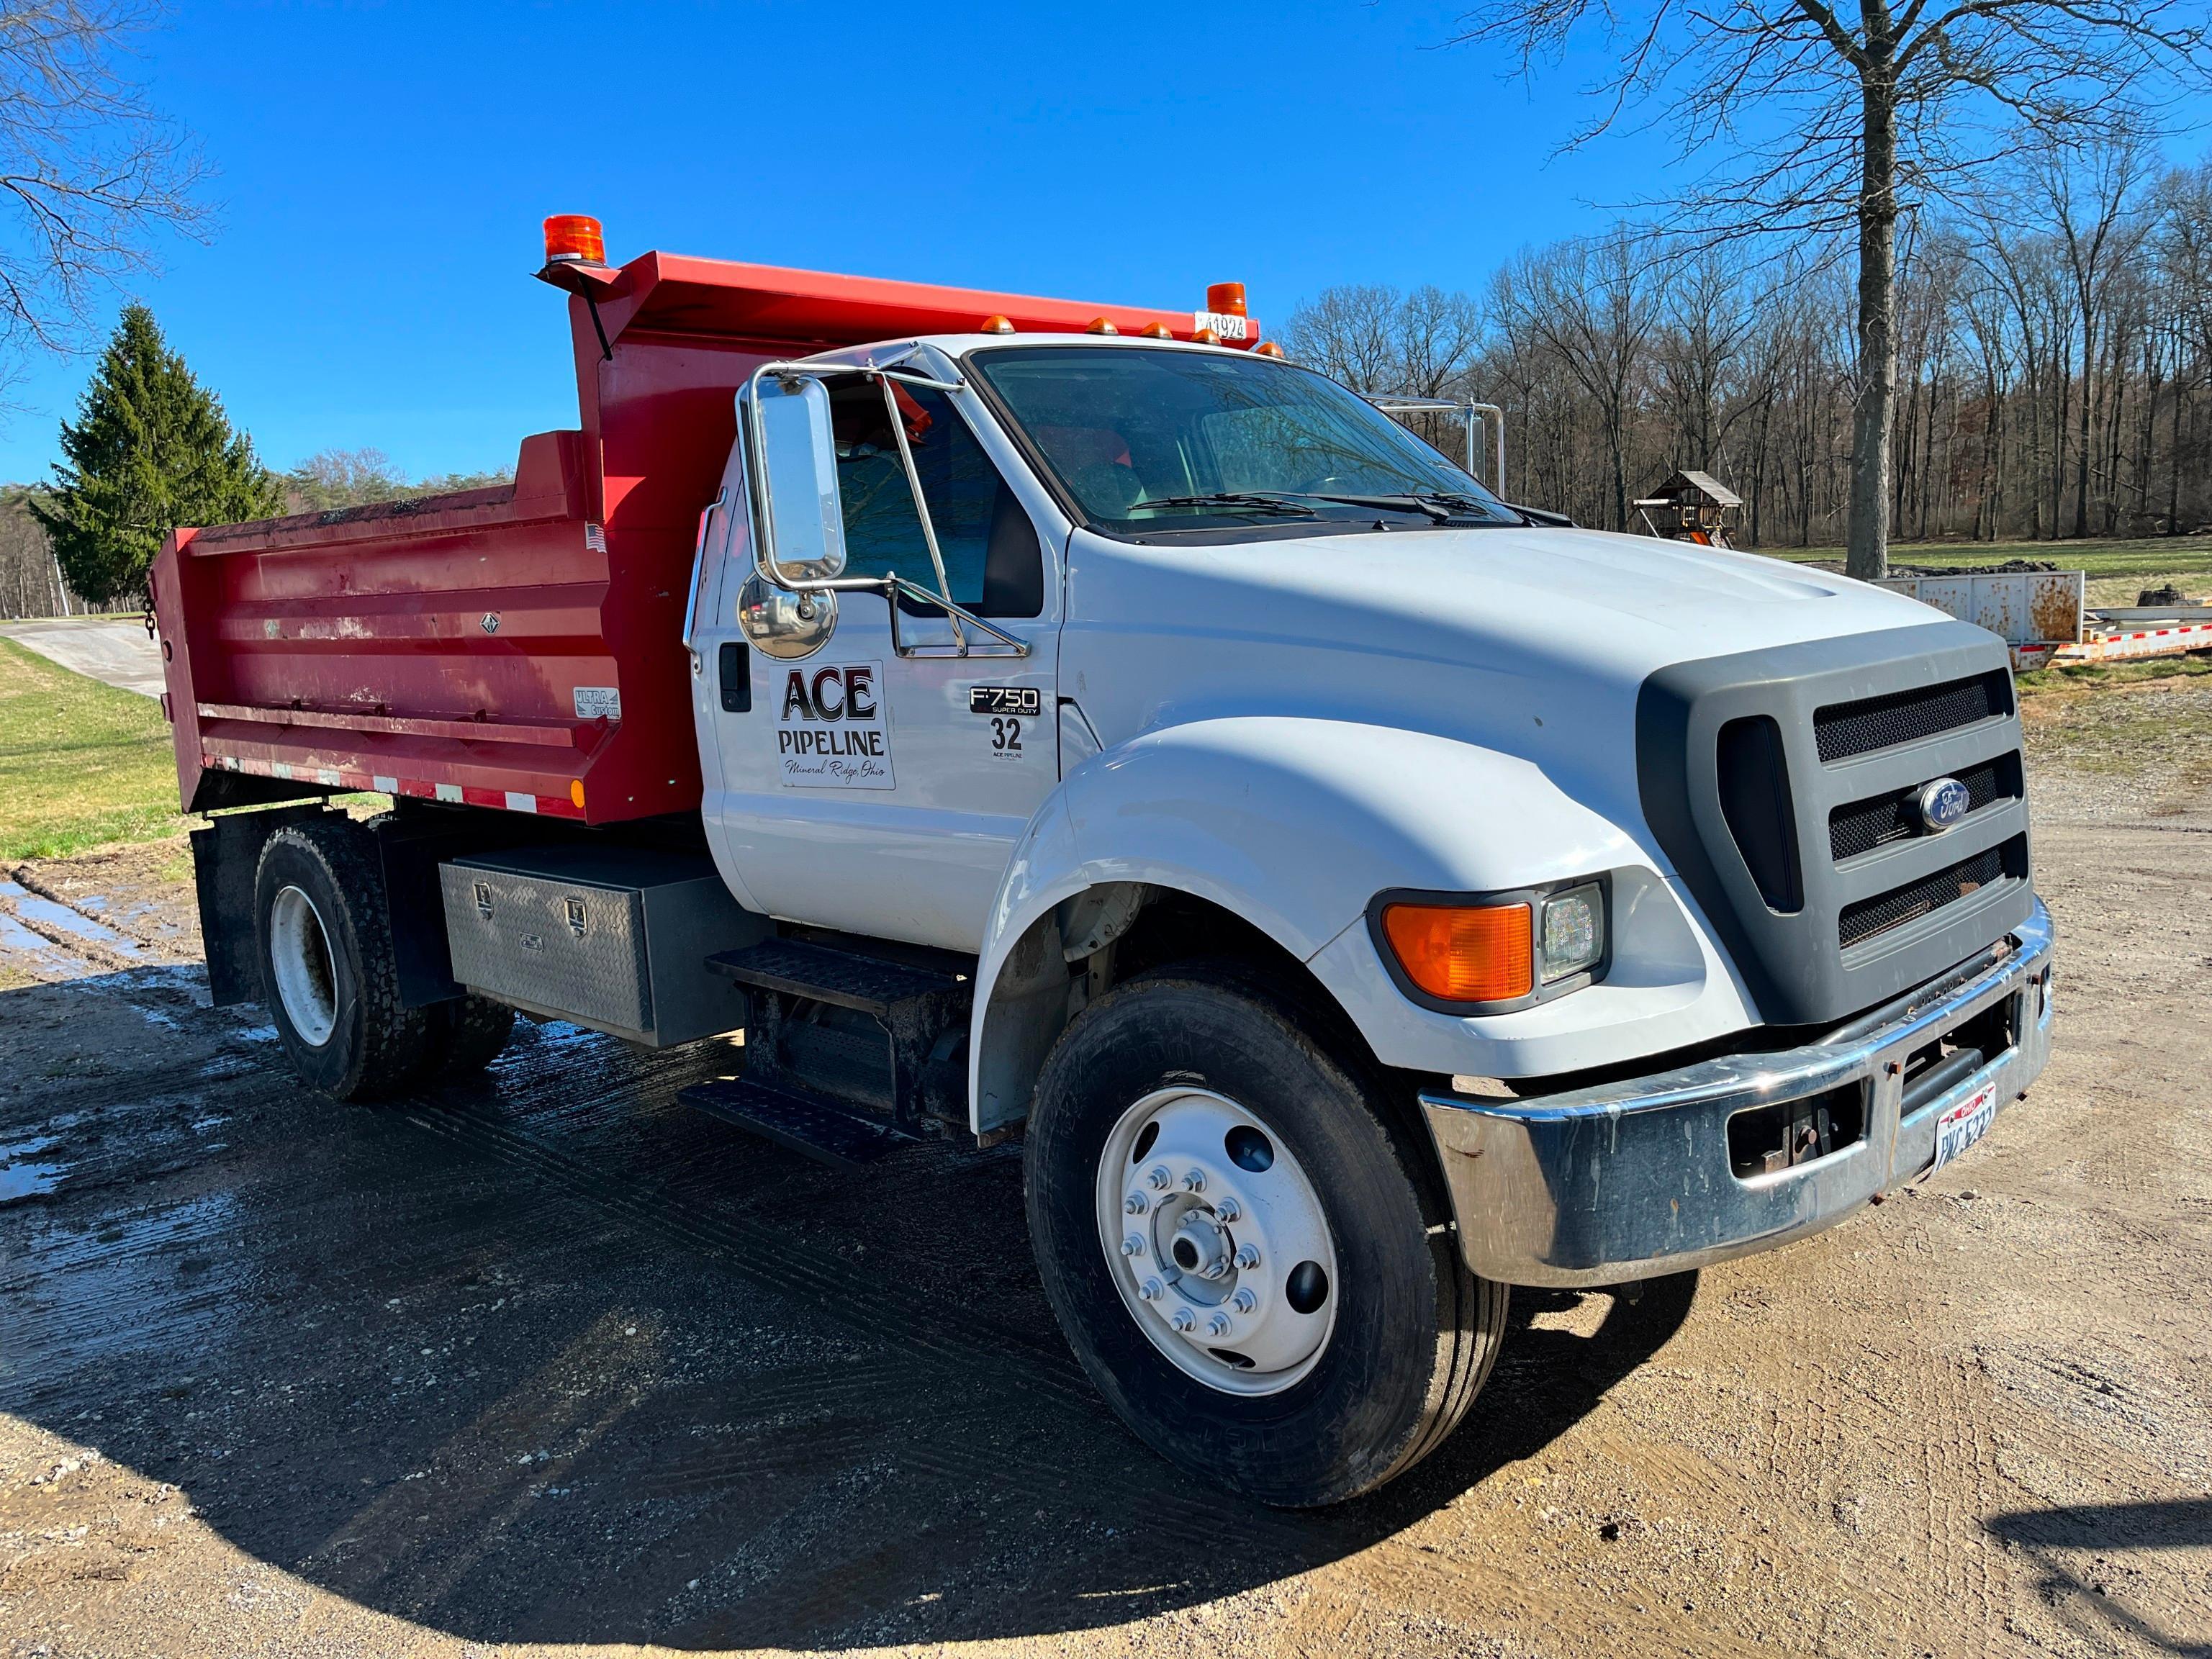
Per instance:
{"type": "Point", "coordinates": [2144, 556]}
{"type": "Point", "coordinates": [81, 763]}
{"type": "Point", "coordinates": [2046, 681]}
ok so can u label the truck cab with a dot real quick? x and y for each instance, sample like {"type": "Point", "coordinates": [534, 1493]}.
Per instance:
{"type": "Point", "coordinates": [1360, 894]}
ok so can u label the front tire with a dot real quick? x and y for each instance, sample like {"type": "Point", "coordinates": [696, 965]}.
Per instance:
{"type": "Point", "coordinates": [329, 977]}
{"type": "Point", "coordinates": [1365, 1340]}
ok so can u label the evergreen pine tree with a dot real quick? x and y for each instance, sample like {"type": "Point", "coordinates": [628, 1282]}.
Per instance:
{"type": "Point", "coordinates": [151, 449]}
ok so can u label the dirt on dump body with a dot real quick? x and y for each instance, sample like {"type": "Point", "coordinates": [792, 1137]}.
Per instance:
{"type": "Point", "coordinates": [552, 1361]}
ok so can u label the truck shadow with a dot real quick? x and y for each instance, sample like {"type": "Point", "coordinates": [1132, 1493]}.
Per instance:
{"type": "Point", "coordinates": [2071, 1545]}
{"type": "Point", "coordinates": [552, 1359]}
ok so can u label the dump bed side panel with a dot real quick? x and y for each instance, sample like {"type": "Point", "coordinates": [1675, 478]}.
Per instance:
{"type": "Point", "coordinates": [484, 647]}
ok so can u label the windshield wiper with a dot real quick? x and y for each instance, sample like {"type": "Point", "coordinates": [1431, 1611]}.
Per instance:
{"type": "Point", "coordinates": [1438, 506]}
{"type": "Point", "coordinates": [1237, 500]}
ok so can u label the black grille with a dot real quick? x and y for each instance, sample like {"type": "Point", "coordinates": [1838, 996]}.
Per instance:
{"type": "Point", "coordinates": [1866, 824]}
{"type": "Point", "coordinates": [1862, 921]}
{"type": "Point", "coordinates": [1845, 729]}
{"type": "Point", "coordinates": [1754, 786]}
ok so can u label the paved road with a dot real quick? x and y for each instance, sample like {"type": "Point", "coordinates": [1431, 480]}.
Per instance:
{"type": "Point", "coordinates": [115, 650]}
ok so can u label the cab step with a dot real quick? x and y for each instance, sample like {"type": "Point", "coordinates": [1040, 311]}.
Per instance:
{"type": "Point", "coordinates": [811, 1003]}
{"type": "Point", "coordinates": [797, 1120]}
{"type": "Point", "coordinates": [845, 979]}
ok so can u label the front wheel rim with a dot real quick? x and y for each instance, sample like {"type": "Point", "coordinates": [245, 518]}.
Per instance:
{"type": "Point", "coordinates": [1216, 1239]}
{"type": "Point", "coordinates": [300, 952]}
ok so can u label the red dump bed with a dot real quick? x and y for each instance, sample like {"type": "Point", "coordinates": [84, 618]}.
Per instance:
{"type": "Point", "coordinates": [521, 648]}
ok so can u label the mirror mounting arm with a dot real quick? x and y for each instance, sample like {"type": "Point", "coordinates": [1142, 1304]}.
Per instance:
{"type": "Point", "coordinates": [891, 586]}
{"type": "Point", "coordinates": [921, 512]}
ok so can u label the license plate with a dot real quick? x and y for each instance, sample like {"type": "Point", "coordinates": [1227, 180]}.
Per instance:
{"type": "Point", "coordinates": [1962, 1125]}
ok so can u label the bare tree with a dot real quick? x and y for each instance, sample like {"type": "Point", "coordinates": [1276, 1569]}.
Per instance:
{"type": "Point", "coordinates": [89, 173]}
{"type": "Point", "coordinates": [1349, 334]}
{"type": "Point", "coordinates": [1593, 305]}
{"type": "Point", "coordinates": [1874, 113]}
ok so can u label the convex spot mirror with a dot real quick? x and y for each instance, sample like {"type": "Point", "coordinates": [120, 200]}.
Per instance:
{"type": "Point", "coordinates": [798, 459]}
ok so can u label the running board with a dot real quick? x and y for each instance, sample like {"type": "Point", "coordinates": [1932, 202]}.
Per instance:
{"type": "Point", "coordinates": [797, 1120]}
{"type": "Point", "coordinates": [922, 1012]}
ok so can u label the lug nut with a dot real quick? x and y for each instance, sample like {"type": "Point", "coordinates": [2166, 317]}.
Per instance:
{"type": "Point", "coordinates": [1135, 1204]}
{"type": "Point", "coordinates": [1229, 1209]}
{"type": "Point", "coordinates": [1133, 1245]}
{"type": "Point", "coordinates": [1156, 1178]}
{"type": "Point", "coordinates": [1248, 1255]}
{"type": "Point", "coordinates": [1216, 1268]}
{"type": "Point", "coordinates": [1149, 1290]}
{"type": "Point", "coordinates": [1182, 1319]}
{"type": "Point", "coordinates": [1194, 1181]}
{"type": "Point", "coordinates": [1244, 1300]}
{"type": "Point", "coordinates": [1219, 1325]}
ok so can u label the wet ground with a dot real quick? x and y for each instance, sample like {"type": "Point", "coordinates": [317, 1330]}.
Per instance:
{"type": "Point", "coordinates": [552, 1360]}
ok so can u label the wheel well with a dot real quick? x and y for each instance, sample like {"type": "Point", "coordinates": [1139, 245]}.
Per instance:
{"type": "Point", "coordinates": [1049, 977]}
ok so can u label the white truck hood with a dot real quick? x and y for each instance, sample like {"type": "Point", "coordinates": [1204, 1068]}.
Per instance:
{"type": "Point", "coordinates": [1531, 642]}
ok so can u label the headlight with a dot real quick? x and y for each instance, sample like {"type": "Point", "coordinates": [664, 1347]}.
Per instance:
{"type": "Point", "coordinates": [1573, 932]}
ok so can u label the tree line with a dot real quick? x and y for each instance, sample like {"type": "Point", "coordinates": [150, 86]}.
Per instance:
{"type": "Point", "coordinates": [2054, 361]}
{"type": "Point", "coordinates": [151, 449]}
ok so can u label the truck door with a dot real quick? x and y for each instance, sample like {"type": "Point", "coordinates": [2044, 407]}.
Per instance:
{"type": "Point", "coordinates": [881, 793]}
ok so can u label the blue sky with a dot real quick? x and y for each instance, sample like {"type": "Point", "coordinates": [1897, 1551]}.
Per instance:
{"type": "Point", "coordinates": [381, 170]}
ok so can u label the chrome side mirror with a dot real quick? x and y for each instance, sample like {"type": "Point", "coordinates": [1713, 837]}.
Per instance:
{"type": "Point", "coordinates": [802, 523]}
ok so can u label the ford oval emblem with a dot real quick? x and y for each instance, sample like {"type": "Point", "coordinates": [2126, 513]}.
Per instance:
{"type": "Point", "coordinates": [1943, 803]}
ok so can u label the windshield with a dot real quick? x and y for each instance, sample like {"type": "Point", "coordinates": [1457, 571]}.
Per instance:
{"type": "Point", "coordinates": [1148, 440]}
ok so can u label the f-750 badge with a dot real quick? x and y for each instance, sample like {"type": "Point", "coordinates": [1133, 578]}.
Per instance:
{"type": "Point", "coordinates": [1005, 700]}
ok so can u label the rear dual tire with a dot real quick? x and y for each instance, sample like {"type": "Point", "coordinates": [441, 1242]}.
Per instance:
{"type": "Point", "coordinates": [330, 971]}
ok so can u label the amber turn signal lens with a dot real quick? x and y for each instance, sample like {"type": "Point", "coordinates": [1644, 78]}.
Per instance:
{"type": "Point", "coordinates": [1464, 953]}
{"type": "Point", "coordinates": [575, 238]}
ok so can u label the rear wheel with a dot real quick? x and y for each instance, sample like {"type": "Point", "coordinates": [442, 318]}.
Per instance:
{"type": "Point", "coordinates": [466, 1035]}
{"type": "Point", "coordinates": [329, 975]}
{"type": "Point", "coordinates": [1236, 1233]}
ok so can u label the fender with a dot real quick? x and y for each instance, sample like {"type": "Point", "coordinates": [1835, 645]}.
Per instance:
{"type": "Point", "coordinates": [1294, 824]}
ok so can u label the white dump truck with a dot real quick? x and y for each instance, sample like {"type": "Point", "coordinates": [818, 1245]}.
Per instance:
{"type": "Point", "coordinates": [1019, 717]}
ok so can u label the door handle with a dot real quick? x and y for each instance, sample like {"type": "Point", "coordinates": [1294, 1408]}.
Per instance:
{"type": "Point", "coordinates": [735, 671]}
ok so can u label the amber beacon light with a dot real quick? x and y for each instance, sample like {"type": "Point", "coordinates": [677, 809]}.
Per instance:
{"type": "Point", "coordinates": [1225, 299]}
{"type": "Point", "coordinates": [1464, 953]}
{"type": "Point", "coordinates": [575, 239]}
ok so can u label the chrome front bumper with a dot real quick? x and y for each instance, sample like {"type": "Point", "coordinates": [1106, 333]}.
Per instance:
{"type": "Point", "coordinates": [1633, 1180]}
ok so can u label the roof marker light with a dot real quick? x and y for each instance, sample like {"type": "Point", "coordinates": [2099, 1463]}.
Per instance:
{"type": "Point", "coordinates": [1205, 336]}
{"type": "Point", "coordinates": [1102, 325]}
{"type": "Point", "coordinates": [1157, 331]}
{"type": "Point", "coordinates": [1267, 348]}
{"type": "Point", "coordinates": [575, 239]}
{"type": "Point", "coordinates": [1226, 298]}
{"type": "Point", "coordinates": [995, 324]}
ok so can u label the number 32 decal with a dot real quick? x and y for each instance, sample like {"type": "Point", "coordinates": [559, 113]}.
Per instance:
{"type": "Point", "coordinates": [1008, 706]}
